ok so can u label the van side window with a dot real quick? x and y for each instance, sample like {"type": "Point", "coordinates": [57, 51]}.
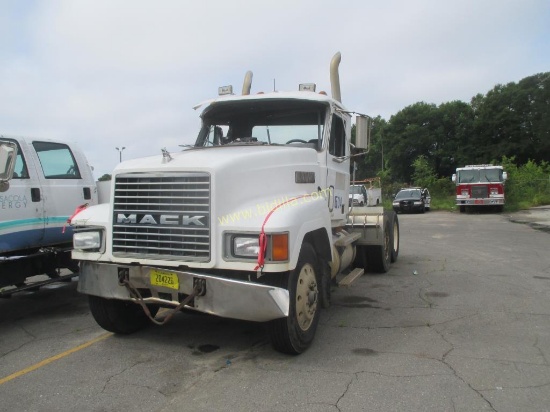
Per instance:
{"type": "Point", "coordinates": [337, 142]}
{"type": "Point", "coordinates": [57, 160]}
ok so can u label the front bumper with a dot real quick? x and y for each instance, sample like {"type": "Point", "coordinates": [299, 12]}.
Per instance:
{"type": "Point", "coordinates": [408, 208]}
{"type": "Point", "coordinates": [480, 201]}
{"type": "Point", "coordinates": [223, 297]}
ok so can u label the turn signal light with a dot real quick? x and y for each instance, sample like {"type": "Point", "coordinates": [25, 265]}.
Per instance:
{"type": "Point", "coordinates": [279, 247]}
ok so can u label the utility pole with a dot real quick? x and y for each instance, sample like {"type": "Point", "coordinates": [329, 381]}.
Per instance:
{"type": "Point", "coordinates": [382, 144]}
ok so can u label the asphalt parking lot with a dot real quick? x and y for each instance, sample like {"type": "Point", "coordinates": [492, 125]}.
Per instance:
{"type": "Point", "coordinates": [460, 323]}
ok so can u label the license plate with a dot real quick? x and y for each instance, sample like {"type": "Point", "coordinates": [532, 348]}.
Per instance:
{"type": "Point", "coordinates": [164, 279]}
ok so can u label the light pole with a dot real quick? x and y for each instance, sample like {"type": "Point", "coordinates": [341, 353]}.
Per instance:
{"type": "Point", "coordinates": [120, 153]}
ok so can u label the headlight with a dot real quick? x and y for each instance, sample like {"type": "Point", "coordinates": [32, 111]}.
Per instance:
{"type": "Point", "coordinates": [464, 192]}
{"type": "Point", "coordinates": [396, 203]}
{"type": "Point", "coordinates": [241, 246]}
{"type": "Point", "coordinates": [418, 203]}
{"type": "Point", "coordinates": [246, 246]}
{"type": "Point", "coordinates": [89, 240]}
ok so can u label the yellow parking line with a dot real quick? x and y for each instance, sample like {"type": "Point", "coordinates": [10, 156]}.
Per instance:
{"type": "Point", "coordinates": [53, 358]}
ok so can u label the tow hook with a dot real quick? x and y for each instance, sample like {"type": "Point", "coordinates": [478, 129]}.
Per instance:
{"type": "Point", "coordinates": [199, 286]}
{"type": "Point", "coordinates": [123, 276]}
{"type": "Point", "coordinates": [199, 289]}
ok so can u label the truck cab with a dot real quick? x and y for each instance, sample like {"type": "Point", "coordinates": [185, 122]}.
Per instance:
{"type": "Point", "coordinates": [480, 186]}
{"type": "Point", "coordinates": [42, 183]}
{"type": "Point", "coordinates": [251, 222]}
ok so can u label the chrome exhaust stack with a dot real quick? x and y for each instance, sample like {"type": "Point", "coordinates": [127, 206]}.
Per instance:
{"type": "Point", "coordinates": [247, 84]}
{"type": "Point", "coordinates": [335, 77]}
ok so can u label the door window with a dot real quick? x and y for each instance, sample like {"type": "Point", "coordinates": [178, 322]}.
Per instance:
{"type": "Point", "coordinates": [57, 160]}
{"type": "Point", "coordinates": [337, 142]}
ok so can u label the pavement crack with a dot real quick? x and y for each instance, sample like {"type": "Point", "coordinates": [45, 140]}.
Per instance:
{"type": "Point", "coordinates": [33, 338]}
{"type": "Point", "coordinates": [352, 379]}
{"type": "Point", "coordinates": [537, 347]}
{"type": "Point", "coordinates": [443, 360]}
{"type": "Point", "coordinates": [108, 381]}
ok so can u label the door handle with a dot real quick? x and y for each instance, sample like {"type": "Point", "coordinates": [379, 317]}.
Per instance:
{"type": "Point", "coordinates": [35, 194]}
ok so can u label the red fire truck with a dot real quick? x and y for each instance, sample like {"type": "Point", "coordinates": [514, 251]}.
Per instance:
{"type": "Point", "coordinates": [479, 185]}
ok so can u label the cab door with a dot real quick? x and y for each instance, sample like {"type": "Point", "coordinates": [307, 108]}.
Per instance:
{"type": "Point", "coordinates": [337, 169]}
{"type": "Point", "coordinates": [22, 222]}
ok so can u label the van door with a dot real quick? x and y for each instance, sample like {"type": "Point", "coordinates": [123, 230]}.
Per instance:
{"type": "Point", "coordinates": [62, 187]}
{"type": "Point", "coordinates": [22, 221]}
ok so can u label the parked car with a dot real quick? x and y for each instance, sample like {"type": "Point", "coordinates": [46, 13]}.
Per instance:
{"type": "Point", "coordinates": [412, 199]}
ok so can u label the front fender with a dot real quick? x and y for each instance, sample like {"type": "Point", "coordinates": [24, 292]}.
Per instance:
{"type": "Point", "coordinates": [97, 215]}
{"type": "Point", "coordinates": [298, 218]}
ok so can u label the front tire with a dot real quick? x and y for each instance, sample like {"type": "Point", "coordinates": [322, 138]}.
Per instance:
{"type": "Point", "coordinates": [294, 334]}
{"type": "Point", "coordinates": [119, 316]}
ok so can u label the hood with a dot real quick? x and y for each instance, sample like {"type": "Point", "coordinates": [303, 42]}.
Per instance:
{"type": "Point", "coordinates": [242, 177]}
{"type": "Point", "coordinates": [221, 157]}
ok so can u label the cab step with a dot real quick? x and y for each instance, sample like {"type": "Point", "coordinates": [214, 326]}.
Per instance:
{"type": "Point", "coordinates": [351, 277]}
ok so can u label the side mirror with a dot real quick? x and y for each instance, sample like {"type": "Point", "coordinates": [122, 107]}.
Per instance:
{"type": "Point", "coordinates": [8, 154]}
{"type": "Point", "coordinates": [362, 132]}
{"type": "Point", "coordinates": [454, 177]}
{"type": "Point", "coordinates": [504, 175]}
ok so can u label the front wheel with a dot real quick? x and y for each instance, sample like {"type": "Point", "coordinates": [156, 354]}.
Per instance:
{"type": "Point", "coordinates": [294, 334]}
{"type": "Point", "coordinates": [119, 316]}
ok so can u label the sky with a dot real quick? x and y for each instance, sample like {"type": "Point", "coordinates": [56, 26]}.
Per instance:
{"type": "Point", "coordinates": [127, 73]}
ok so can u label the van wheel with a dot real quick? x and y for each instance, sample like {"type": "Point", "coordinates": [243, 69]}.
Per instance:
{"type": "Point", "coordinates": [294, 333]}
{"type": "Point", "coordinates": [119, 316]}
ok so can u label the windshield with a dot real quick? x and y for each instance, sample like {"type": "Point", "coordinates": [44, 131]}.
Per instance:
{"type": "Point", "coordinates": [408, 194]}
{"type": "Point", "coordinates": [480, 175]}
{"type": "Point", "coordinates": [356, 190]}
{"type": "Point", "coordinates": [270, 122]}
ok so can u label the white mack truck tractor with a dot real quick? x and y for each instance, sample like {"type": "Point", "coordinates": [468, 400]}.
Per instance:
{"type": "Point", "coordinates": [251, 222]}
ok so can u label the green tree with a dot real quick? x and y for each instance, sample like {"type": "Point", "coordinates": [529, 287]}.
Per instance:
{"type": "Point", "coordinates": [423, 174]}
{"type": "Point", "coordinates": [104, 178]}
{"type": "Point", "coordinates": [513, 120]}
{"type": "Point", "coordinates": [408, 136]}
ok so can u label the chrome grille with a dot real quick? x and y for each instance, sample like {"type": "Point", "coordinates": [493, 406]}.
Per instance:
{"type": "Point", "coordinates": [162, 216]}
{"type": "Point", "coordinates": [480, 192]}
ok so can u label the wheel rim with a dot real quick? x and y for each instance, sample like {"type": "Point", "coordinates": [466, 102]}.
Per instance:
{"type": "Point", "coordinates": [307, 294]}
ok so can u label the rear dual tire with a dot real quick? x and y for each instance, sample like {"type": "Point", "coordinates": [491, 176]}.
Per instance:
{"type": "Point", "coordinates": [377, 258]}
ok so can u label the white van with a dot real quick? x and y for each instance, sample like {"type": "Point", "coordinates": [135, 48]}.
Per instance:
{"type": "Point", "coordinates": [42, 182]}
